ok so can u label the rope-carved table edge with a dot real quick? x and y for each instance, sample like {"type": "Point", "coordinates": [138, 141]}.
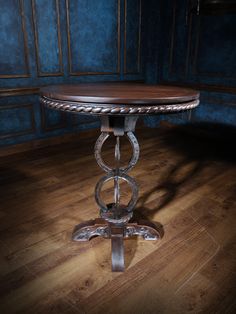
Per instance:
{"type": "Point", "coordinates": [116, 109]}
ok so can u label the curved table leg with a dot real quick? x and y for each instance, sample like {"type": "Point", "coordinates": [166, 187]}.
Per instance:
{"type": "Point", "coordinates": [117, 253]}
{"type": "Point", "coordinates": [100, 227]}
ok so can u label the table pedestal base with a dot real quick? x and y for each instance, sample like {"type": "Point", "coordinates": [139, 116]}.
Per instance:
{"type": "Point", "coordinates": [114, 222]}
{"type": "Point", "coordinates": [116, 232]}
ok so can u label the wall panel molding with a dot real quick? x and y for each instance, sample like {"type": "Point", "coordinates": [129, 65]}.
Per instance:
{"type": "Point", "coordinates": [198, 42]}
{"type": "Point", "coordinates": [20, 91]}
{"type": "Point", "coordinates": [36, 38]}
{"type": "Point", "coordinates": [172, 40]}
{"type": "Point", "coordinates": [45, 123]}
{"type": "Point", "coordinates": [78, 73]}
{"type": "Point", "coordinates": [25, 45]}
{"type": "Point", "coordinates": [193, 67]}
{"type": "Point", "coordinates": [27, 131]}
{"type": "Point", "coordinates": [139, 39]}
{"type": "Point", "coordinates": [204, 87]}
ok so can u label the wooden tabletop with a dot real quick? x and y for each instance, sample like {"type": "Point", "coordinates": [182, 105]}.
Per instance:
{"type": "Point", "coordinates": [120, 93]}
{"type": "Point", "coordinates": [118, 98]}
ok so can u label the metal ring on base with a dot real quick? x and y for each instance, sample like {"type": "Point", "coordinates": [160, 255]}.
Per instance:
{"type": "Point", "coordinates": [98, 147]}
{"type": "Point", "coordinates": [116, 214]}
{"type": "Point", "coordinates": [132, 183]}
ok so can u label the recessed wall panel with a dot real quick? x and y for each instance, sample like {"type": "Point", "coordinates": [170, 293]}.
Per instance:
{"type": "Point", "coordinates": [13, 40]}
{"type": "Point", "coordinates": [16, 120]}
{"type": "Point", "coordinates": [132, 36]}
{"type": "Point", "coordinates": [46, 22]}
{"type": "Point", "coordinates": [93, 36]}
{"type": "Point", "coordinates": [215, 53]}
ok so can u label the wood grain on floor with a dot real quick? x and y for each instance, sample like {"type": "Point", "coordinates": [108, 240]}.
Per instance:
{"type": "Point", "coordinates": [187, 184]}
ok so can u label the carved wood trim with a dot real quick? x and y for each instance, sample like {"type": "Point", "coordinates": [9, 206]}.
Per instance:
{"type": "Point", "coordinates": [117, 109]}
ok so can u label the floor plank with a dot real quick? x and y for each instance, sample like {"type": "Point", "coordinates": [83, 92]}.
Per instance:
{"type": "Point", "coordinates": [187, 184]}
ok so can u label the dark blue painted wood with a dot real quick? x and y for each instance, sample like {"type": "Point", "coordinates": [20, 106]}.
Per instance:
{"type": "Point", "coordinates": [13, 40]}
{"type": "Point", "coordinates": [132, 35]}
{"type": "Point", "coordinates": [215, 108]}
{"type": "Point", "coordinates": [35, 50]}
{"type": "Point", "coordinates": [93, 36]}
{"type": "Point", "coordinates": [215, 49]}
{"type": "Point", "coordinates": [196, 49]}
{"type": "Point", "coordinates": [48, 43]}
{"type": "Point", "coordinates": [22, 118]}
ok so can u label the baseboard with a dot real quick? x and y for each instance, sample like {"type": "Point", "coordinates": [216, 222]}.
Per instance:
{"type": "Point", "coordinates": [39, 143]}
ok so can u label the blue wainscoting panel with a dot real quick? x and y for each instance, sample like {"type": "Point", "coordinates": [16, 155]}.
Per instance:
{"type": "Point", "coordinates": [56, 42]}
{"type": "Point", "coordinates": [16, 120]}
{"type": "Point", "coordinates": [83, 122]}
{"type": "Point", "coordinates": [215, 49]}
{"type": "Point", "coordinates": [132, 40]}
{"type": "Point", "coordinates": [198, 51]}
{"type": "Point", "coordinates": [93, 36]}
{"type": "Point", "coordinates": [177, 38]}
{"type": "Point", "coordinates": [13, 40]}
{"type": "Point", "coordinates": [215, 108]}
{"type": "Point", "coordinates": [197, 48]}
{"type": "Point", "coordinates": [52, 119]}
{"type": "Point", "coordinates": [47, 33]}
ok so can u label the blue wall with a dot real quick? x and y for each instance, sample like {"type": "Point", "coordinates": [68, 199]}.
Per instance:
{"type": "Point", "coordinates": [67, 41]}
{"type": "Point", "coordinates": [52, 42]}
{"type": "Point", "coordinates": [200, 52]}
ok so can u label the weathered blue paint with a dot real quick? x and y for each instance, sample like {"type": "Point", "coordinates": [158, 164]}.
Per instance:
{"type": "Point", "coordinates": [93, 35]}
{"type": "Point", "coordinates": [208, 112]}
{"type": "Point", "coordinates": [196, 49]}
{"type": "Point", "coordinates": [22, 120]}
{"type": "Point", "coordinates": [132, 53]}
{"type": "Point", "coordinates": [12, 40]}
{"type": "Point", "coordinates": [20, 117]}
{"type": "Point", "coordinates": [48, 43]}
{"type": "Point", "coordinates": [35, 50]}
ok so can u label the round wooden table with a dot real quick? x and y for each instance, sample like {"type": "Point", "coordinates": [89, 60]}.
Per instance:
{"type": "Point", "coordinates": [119, 105]}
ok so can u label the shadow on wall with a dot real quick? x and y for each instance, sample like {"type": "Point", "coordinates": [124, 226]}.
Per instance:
{"type": "Point", "coordinates": [200, 146]}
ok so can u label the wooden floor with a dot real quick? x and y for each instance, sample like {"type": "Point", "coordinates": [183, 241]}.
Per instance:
{"type": "Point", "coordinates": [187, 184]}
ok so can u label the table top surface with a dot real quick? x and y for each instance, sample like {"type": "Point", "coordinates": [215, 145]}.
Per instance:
{"type": "Point", "coordinates": [118, 98]}
{"type": "Point", "coordinates": [120, 93]}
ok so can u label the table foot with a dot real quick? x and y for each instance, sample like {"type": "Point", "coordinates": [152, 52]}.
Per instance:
{"type": "Point", "coordinates": [116, 232]}
{"type": "Point", "coordinates": [117, 248]}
